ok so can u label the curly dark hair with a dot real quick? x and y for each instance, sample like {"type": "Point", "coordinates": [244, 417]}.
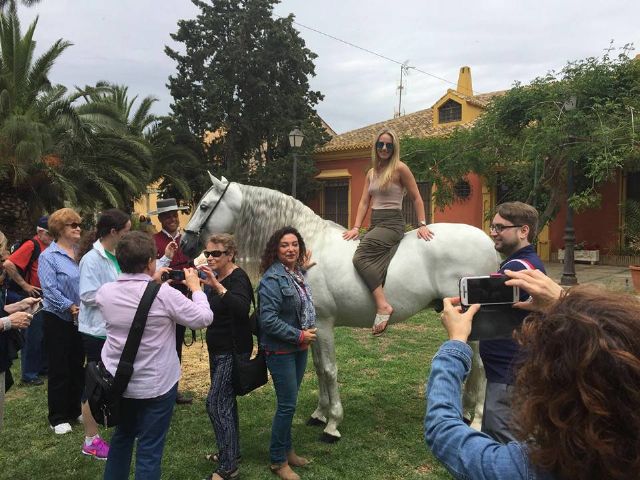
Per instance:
{"type": "Point", "coordinates": [270, 254]}
{"type": "Point", "coordinates": [577, 395]}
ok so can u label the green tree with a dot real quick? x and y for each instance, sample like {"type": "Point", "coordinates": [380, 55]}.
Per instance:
{"type": "Point", "coordinates": [583, 114]}
{"type": "Point", "coordinates": [244, 76]}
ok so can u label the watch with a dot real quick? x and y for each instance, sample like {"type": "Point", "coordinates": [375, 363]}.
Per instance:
{"type": "Point", "coordinates": [422, 224]}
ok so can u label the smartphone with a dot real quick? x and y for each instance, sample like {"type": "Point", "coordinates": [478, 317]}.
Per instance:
{"type": "Point", "coordinates": [487, 290]}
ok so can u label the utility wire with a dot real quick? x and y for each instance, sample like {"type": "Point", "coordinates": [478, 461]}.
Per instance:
{"type": "Point", "coordinates": [367, 50]}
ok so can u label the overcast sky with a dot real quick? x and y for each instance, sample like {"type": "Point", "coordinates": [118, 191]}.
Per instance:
{"type": "Point", "coordinates": [503, 41]}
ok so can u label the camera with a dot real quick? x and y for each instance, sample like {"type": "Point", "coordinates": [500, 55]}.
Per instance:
{"type": "Point", "coordinates": [178, 275]}
{"type": "Point", "coordinates": [487, 290]}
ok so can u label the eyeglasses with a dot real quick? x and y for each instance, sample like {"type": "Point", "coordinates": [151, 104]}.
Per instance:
{"type": "Point", "coordinates": [381, 145]}
{"type": "Point", "coordinates": [214, 253]}
{"type": "Point", "coordinates": [498, 228]}
{"type": "Point", "coordinates": [74, 225]}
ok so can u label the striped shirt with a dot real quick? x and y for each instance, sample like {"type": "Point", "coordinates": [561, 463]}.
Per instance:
{"type": "Point", "coordinates": [60, 280]}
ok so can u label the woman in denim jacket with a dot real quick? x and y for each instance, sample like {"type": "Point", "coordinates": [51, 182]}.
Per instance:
{"type": "Point", "coordinates": [576, 394]}
{"type": "Point", "coordinates": [287, 327]}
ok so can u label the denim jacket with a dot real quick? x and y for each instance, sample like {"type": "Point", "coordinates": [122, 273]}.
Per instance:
{"type": "Point", "coordinates": [279, 315]}
{"type": "Point", "coordinates": [467, 453]}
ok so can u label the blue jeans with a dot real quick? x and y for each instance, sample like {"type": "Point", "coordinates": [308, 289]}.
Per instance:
{"type": "Point", "coordinates": [147, 420]}
{"type": "Point", "coordinates": [32, 358]}
{"type": "Point", "coordinates": [287, 370]}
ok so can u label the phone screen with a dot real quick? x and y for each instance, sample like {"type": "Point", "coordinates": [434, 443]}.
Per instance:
{"type": "Point", "coordinates": [489, 290]}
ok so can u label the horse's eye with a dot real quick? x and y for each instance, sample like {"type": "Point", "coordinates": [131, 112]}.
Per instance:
{"type": "Point", "coordinates": [204, 206]}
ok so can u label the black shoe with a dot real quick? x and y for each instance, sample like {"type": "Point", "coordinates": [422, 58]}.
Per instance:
{"type": "Point", "coordinates": [33, 383]}
{"type": "Point", "coordinates": [181, 399]}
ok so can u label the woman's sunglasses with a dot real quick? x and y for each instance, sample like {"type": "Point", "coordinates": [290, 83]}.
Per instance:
{"type": "Point", "coordinates": [381, 145]}
{"type": "Point", "coordinates": [214, 253]}
{"type": "Point", "coordinates": [74, 225]}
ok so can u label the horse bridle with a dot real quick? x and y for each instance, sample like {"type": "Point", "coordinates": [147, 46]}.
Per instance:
{"type": "Point", "coordinates": [204, 222]}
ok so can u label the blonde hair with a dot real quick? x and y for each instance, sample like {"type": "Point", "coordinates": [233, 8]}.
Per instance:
{"type": "Point", "coordinates": [386, 175]}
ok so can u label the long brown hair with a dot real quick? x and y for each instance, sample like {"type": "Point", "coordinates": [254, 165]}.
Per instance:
{"type": "Point", "coordinates": [270, 254]}
{"type": "Point", "coordinates": [577, 394]}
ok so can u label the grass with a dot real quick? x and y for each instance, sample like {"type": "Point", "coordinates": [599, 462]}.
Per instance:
{"type": "Point", "coordinates": [382, 387]}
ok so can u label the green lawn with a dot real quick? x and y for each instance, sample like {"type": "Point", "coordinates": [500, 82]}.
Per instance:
{"type": "Point", "coordinates": [382, 387]}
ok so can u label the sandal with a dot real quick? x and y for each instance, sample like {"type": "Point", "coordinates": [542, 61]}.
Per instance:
{"type": "Point", "coordinates": [379, 320]}
{"type": "Point", "coordinates": [215, 457]}
{"type": "Point", "coordinates": [220, 475]}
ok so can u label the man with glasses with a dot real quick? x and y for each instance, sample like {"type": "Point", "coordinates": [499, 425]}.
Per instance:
{"type": "Point", "coordinates": [513, 230]}
{"type": "Point", "coordinates": [22, 268]}
{"type": "Point", "coordinates": [169, 236]}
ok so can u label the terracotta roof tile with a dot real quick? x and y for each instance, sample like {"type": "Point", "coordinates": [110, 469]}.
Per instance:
{"type": "Point", "coordinates": [417, 124]}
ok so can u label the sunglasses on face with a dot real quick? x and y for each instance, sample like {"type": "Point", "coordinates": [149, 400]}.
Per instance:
{"type": "Point", "coordinates": [74, 225]}
{"type": "Point", "coordinates": [381, 145]}
{"type": "Point", "coordinates": [498, 228]}
{"type": "Point", "coordinates": [214, 253]}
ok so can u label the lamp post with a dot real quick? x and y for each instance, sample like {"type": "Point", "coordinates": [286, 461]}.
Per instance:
{"type": "Point", "coordinates": [569, 271]}
{"type": "Point", "coordinates": [295, 141]}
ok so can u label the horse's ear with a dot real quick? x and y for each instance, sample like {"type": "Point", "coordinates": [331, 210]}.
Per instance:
{"type": "Point", "coordinates": [214, 180]}
{"type": "Point", "coordinates": [224, 180]}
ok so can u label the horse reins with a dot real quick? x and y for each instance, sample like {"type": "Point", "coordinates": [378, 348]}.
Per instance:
{"type": "Point", "coordinates": [204, 222]}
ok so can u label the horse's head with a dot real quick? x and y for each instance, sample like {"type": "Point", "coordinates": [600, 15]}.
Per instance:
{"type": "Point", "coordinates": [216, 213]}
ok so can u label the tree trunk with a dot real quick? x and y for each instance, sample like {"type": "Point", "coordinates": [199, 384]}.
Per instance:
{"type": "Point", "coordinates": [16, 222]}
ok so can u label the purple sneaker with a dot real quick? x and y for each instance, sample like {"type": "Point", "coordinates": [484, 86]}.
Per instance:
{"type": "Point", "coordinates": [98, 449]}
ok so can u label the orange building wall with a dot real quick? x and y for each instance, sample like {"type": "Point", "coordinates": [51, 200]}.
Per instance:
{"type": "Point", "coordinates": [357, 168]}
{"type": "Point", "coordinates": [465, 211]}
{"type": "Point", "coordinates": [598, 226]}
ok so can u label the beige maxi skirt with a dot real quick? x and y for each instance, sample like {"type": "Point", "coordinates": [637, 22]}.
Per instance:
{"type": "Point", "coordinates": [378, 246]}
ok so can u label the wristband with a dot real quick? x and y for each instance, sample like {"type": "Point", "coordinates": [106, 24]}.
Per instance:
{"type": "Point", "coordinates": [6, 323]}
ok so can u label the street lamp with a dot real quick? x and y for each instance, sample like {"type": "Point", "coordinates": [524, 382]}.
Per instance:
{"type": "Point", "coordinates": [295, 141]}
{"type": "Point", "coordinates": [569, 271]}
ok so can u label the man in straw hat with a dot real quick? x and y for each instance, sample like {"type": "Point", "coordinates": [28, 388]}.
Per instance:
{"type": "Point", "coordinates": [169, 236]}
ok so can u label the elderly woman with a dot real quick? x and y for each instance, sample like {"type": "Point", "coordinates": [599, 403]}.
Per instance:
{"type": "Point", "coordinates": [230, 294]}
{"type": "Point", "coordinates": [147, 403]}
{"type": "Point", "coordinates": [287, 321]}
{"type": "Point", "coordinates": [59, 275]}
{"type": "Point", "coordinates": [384, 188]}
{"type": "Point", "coordinates": [576, 393]}
{"type": "Point", "coordinates": [97, 267]}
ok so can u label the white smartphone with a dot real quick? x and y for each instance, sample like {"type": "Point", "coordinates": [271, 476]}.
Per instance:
{"type": "Point", "coordinates": [487, 290]}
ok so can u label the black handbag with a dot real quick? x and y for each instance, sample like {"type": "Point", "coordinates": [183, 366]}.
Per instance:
{"type": "Point", "coordinates": [248, 373]}
{"type": "Point", "coordinates": [103, 390]}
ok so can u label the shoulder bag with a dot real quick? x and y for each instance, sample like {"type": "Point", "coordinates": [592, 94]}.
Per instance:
{"type": "Point", "coordinates": [103, 390]}
{"type": "Point", "coordinates": [248, 373]}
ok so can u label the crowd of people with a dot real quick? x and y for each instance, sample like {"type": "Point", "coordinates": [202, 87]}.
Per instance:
{"type": "Point", "coordinates": [562, 395]}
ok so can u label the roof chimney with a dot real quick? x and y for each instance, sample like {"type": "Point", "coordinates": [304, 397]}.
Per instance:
{"type": "Point", "coordinates": [464, 81]}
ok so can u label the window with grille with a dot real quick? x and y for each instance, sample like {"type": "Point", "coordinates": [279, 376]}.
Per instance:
{"type": "Point", "coordinates": [335, 205]}
{"type": "Point", "coordinates": [450, 111]}
{"type": "Point", "coordinates": [407, 205]}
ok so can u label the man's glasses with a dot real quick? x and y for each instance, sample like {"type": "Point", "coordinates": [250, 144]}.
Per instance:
{"type": "Point", "coordinates": [74, 225]}
{"type": "Point", "coordinates": [214, 253]}
{"type": "Point", "coordinates": [498, 228]}
{"type": "Point", "coordinates": [381, 145]}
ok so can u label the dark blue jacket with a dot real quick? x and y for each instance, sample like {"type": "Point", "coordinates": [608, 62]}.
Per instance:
{"type": "Point", "coordinates": [279, 314]}
{"type": "Point", "coordinates": [499, 356]}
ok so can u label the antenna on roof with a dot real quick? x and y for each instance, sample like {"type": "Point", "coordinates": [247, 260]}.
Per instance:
{"type": "Point", "coordinates": [404, 71]}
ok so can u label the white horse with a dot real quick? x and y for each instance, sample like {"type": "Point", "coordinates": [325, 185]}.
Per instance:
{"type": "Point", "coordinates": [419, 274]}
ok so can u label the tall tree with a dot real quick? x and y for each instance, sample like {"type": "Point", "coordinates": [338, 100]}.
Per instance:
{"type": "Point", "coordinates": [242, 83]}
{"type": "Point", "coordinates": [583, 114]}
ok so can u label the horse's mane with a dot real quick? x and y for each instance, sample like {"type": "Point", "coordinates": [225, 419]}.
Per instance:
{"type": "Point", "coordinates": [263, 212]}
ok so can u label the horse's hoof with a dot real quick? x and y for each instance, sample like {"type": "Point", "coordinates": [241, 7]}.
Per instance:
{"type": "Point", "coordinates": [438, 305]}
{"type": "Point", "coordinates": [315, 422]}
{"type": "Point", "coordinates": [326, 438]}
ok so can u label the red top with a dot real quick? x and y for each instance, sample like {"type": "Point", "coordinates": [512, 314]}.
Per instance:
{"type": "Point", "coordinates": [20, 258]}
{"type": "Point", "coordinates": [179, 260]}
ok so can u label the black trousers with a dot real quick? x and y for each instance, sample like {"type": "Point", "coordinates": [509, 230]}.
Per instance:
{"type": "Point", "coordinates": [66, 368]}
